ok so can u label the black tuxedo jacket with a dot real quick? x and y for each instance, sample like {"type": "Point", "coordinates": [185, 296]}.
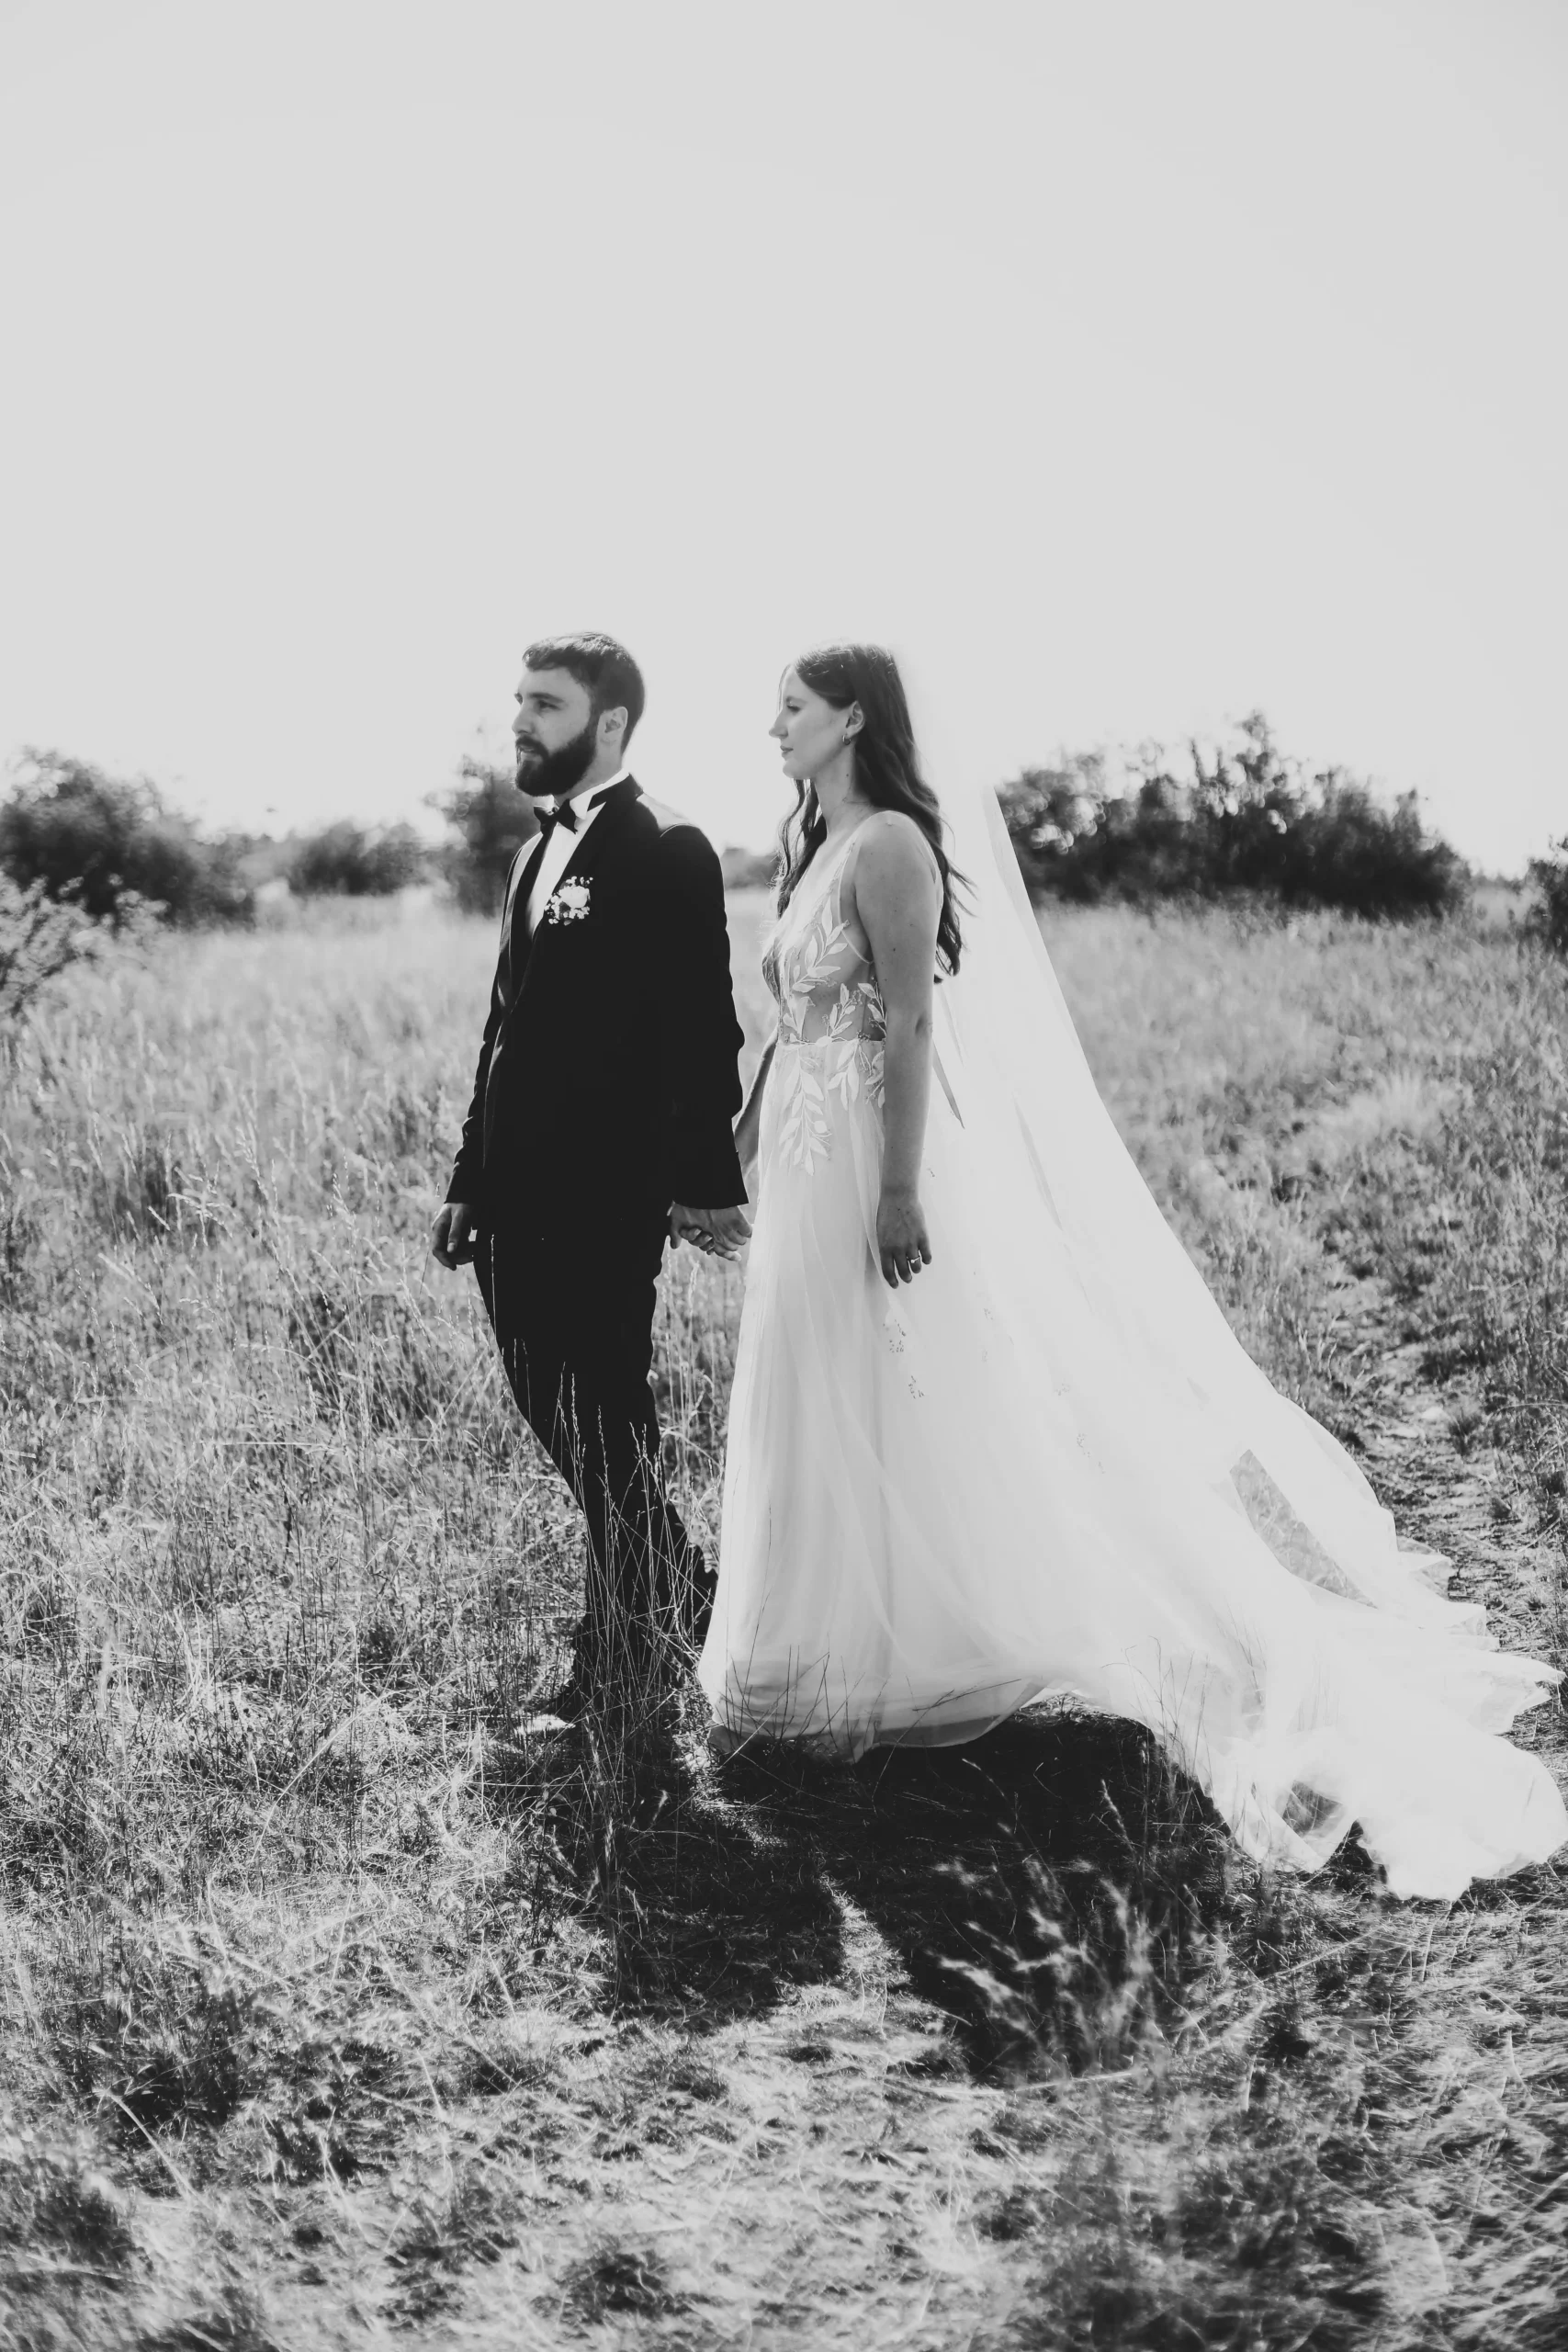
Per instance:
{"type": "Point", "coordinates": [607, 1081]}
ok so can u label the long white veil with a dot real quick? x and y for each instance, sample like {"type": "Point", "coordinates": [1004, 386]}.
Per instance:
{"type": "Point", "coordinates": [1016, 1073]}
{"type": "Point", "coordinates": [1271, 1630]}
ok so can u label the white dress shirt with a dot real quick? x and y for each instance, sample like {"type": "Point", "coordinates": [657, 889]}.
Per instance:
{"type": "Point", "coordinates": [561, 847]}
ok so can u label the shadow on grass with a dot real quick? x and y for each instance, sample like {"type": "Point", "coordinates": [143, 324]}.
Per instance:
{"type": "Point", "coordinates": [1047, 1887]}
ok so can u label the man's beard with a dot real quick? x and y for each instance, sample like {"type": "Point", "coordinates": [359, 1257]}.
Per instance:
{"type": "Point", "coordinates": [551, 776]}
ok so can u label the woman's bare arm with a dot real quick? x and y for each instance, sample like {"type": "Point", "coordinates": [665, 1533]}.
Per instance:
{"type": "Point", "coordinates": [897, 897]}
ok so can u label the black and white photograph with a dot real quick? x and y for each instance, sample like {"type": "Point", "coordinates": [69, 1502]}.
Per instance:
{"type": "Point", "coordinates": [784, 1176]}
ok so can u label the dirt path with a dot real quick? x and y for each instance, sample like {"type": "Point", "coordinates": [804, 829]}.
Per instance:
{"type": "Point", "coordinates": [1453, 1493]}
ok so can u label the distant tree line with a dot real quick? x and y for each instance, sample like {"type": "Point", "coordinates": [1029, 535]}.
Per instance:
{"type": "Point", "coordinates": [112, 847]}
{"type": "Point", "coordinates": [73, 832]}
{"type": "Point", "coordinates": [107, 846]}
{"type": "Point", "coordinates": [1245, 818]}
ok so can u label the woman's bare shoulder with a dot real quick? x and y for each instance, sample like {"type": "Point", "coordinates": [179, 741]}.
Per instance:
{"type": "Point", "coordinates": [892, 850]}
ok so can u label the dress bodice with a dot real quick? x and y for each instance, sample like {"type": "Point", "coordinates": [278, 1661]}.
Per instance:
{"type": "Point", "coordinates": [818, 962]}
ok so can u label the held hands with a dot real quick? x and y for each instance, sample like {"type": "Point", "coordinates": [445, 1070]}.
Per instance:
{"type": "Point", "coordinates": [903, 1245]}
{"type": "Point", "coordinates": [721, 1232]}
{"type": "Point", "coordinates": [717, 1233]}
{"type": "Point", "coordinates": [454, 1236]}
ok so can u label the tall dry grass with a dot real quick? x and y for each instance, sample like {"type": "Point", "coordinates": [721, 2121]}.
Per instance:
{"type": "Point", "coordinates": [342, 2002]}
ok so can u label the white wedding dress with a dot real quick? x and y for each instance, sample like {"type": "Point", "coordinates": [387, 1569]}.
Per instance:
{"type": "Point", "coordinates": [1046, 1469]}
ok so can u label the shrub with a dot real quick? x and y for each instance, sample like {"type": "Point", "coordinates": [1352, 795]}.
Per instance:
{"type": "Point", "coordinates": [1548, 919]}
{"type": "Point", "coordinates": [750, 870]}
{"type": "Point", "coordinates": [352, 861]}
{"type": "Point", "coordinates": [39, 938]}
{"type": "Point", "coordinates": [492, 820]}
{"type": "Point", "coordinates": [1248, 820]}
{"type": "Point", "coordinates": [104, 844]}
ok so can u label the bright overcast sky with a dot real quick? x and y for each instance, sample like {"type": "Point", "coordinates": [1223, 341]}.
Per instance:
{"type": "Point", "coordinates": [1125, 363]}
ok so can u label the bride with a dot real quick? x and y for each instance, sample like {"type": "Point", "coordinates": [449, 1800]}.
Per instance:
{"type": "Point", "coordinates": [992, 1442]}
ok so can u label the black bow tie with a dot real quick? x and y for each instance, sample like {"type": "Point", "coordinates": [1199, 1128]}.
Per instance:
{"type": "Point", "coordinates": [566, 814]}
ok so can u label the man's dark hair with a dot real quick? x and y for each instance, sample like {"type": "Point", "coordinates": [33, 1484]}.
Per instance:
{"type": "Point", "coordinates": [602, 667]}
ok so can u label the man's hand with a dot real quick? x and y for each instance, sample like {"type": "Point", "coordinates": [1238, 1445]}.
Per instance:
{"type": "Point", "coordinates": [717, 1233]}
{"type": "Point", "coordinates": [903, 1245]}
{"type": "Point", "coordinates": [454, 1236]}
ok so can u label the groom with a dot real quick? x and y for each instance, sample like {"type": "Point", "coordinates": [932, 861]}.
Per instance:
{"type": "Point", "coordinates": [600, 1122]}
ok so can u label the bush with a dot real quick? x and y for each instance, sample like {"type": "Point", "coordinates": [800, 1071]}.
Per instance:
{"type": "Point", "coordinates": [1548, 919]}
{"type": "Point", "coordinates": [40, 938]}
{"type": "Point", "coordinates": [750, 870]}
{"type": "Point", "coordinates": [352, 861]}
{"type": "Point", "coordinates": [106, 844]}
{"type": "Point", "coordinates": [1250, 820]}
{"type": "Point", "coordinates": [491, 819]}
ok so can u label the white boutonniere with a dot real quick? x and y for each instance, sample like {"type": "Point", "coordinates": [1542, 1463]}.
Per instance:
{"type": "Point", "coordinates": [568, 904]}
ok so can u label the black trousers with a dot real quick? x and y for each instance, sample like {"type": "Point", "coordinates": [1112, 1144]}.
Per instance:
{"type": "Point", "coordinates": [574, 1325]}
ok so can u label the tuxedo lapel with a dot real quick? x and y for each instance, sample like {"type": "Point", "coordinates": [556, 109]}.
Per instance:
{"type": "Point", "coordinates": [598, 844]}
{"type": "Point", "coordinates": [524, 869]}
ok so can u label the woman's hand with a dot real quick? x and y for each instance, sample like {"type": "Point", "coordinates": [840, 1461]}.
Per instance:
{"type": "Point", "coordinates": [903, 1245]}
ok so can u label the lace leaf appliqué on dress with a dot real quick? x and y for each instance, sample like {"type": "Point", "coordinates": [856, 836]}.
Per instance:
{"type": "Point", "coordinates": [831, 1028]}
{"type": "Point", "coordinates": [805, 1133]}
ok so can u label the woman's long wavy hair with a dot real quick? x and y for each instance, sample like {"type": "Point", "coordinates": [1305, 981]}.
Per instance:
{"type": "Point", "coordinates": [887, 771]}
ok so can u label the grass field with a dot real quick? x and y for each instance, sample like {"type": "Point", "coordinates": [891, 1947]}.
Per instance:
{"type": "Point", "coordinates": [336, 2005]}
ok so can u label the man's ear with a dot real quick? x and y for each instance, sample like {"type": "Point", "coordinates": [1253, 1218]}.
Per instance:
{"type": "Point", "coordinates": [613, 725]}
